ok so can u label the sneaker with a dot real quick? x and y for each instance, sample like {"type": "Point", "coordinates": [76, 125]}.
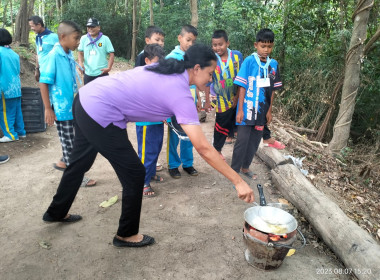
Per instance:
{"type": "Point", "coordinates": [4, 159]}
{"type": "Point", "coordinates": [6, 139]}
{"type": "Point", "coordinates": [22, 136]}
{"type": "Point", "coordinates": [174, 172]}
{"type": "Point", "coordinates": [191, 171]}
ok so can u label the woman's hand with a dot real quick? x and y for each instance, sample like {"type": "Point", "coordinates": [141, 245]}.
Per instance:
{"type": "Point", "coordinates": [245, 192]}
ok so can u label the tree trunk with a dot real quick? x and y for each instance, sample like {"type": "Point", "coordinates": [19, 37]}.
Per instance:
{"type": "Point", "coordinates": [284, 35]}
{"type": "Point", "coordinates": [12, 23]}
{"type": "Point", "coordinates": [194, 12]}
{"type": "Point", "coordinates": [5, 14]}
{"type": "Point", "coordinates": [22, 25]}
{"type": "Point", "coordinates": [134, 26]}
{"type": "Point", "coordinates": [161, 5]}
{"type": "Point", "coordinates": [151, 12]}
{"type": "Point", "coordinates": [351, 77]}
{"type": "Point", "coordinates": [126, 7]}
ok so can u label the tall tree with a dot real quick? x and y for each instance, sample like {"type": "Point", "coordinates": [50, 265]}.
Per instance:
{"type": "Point", "coordinates": [351, 82]}
{"type": "Point", "coordinates": [22, 25]}
{"type": "Point", "coordinates": [151, 12]}
{"type": "Point", "coordinates": [194, 12]}
{"type": "Point", "coordinates": [134, 30]}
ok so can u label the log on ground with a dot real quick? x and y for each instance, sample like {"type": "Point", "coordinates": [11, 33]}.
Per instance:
{"type": "Point", "coordinates": [353, 245]}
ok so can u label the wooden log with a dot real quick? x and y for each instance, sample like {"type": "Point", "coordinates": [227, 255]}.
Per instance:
{"type": "Point", "coordinates": [354, 246]}
{"type": "Point", "coordinates": [271, 156]}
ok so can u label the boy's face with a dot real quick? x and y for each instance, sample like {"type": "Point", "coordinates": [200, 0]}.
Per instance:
{"type": "Point", "coordinates": [150, 61]}
{"type": "Point", "coordinates": [70, 41]}
{"type": "Point", "coordinates": [264, 49]}
{"type": "Point", "coordinates": [156, 38]}
{"type": "Point", "coordinates": [93, 30]}
{"type": "Point", "coordinates": [36, 28]}
{"type": "Point", "coordinates": [186, 41]}
{"type": "Point", "coordinates": [219, 46]}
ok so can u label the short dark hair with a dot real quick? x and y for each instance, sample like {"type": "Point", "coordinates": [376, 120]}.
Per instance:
{"type": "Point", "coordinates": [220, 33]}
{"type": "Point", "coordinates": [153, 29]}
{"type": "Point", "coordinates": [5, 37]}
{"type": "Point", "coordinates": [187, 28]}
{"type": "Point", "coordinates": [68, 23]}
{"type": "Point", "coordinates": [153, 50]}
{"type": "Point", "coordinates": [36, 20]}
{"type": "Point", "coordinates": [265, 35]}
{"type": "Point", "coordinates": [196, 54]}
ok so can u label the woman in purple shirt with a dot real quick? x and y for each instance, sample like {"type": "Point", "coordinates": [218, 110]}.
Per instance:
{"type": "Point", "coordinates": [150, 93]}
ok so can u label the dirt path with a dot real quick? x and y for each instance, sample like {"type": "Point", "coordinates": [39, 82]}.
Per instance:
{"type": "Point", "coordinates": [197, 223]}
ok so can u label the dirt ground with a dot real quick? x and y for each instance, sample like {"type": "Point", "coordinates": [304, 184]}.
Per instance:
{"type": "Point", "coordinates": [197, 223]}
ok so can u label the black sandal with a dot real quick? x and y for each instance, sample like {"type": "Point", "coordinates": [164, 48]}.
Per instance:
{"type": "Point", "coordinates": [148, 189]}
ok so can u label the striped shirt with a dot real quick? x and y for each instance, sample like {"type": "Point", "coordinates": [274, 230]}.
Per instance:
{"type": "Point", "coordinates": [223, 80]}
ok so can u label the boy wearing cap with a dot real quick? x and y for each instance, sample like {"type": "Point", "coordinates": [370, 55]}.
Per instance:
{"type": "Point", "coordinates": [93, 50]}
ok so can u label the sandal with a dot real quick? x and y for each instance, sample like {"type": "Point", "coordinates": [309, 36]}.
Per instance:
{"type": "Point", "coordinates": [148, 191]}
{"type": "Point", "coordinates": [250, 175]}
{"type": "Point", "coordinates": [277, 145]}
{"type": "Point", "coordinates": [58, 167]}
{"type": "Point", "coordinates": [157, 178]}
{"type": "Point", "coordinates": [159, 167]}
{"type": "Point", "coordinates": [87, 182]}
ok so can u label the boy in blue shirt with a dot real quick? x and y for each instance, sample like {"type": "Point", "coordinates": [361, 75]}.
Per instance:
{"type": "Point", "coordinates": [228, 66]}
{"type": "Point", "coordinates": [186, 39]}
{"type": "Point", "coordinates": [58, 86]}
{"type": "Point", "coordinates": [11, 120]}
{"type": "Point", "coordinates": [150, 135]}
{"type": "Point", "coordinates": [45, 41]}
{"type": "Point", "coordinates": [257, 79]}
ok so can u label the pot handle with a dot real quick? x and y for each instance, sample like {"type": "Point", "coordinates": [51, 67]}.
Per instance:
{"type": "Point", "coordinates": [270, 244]}
{"type": "Point", "coordinates": [261, 194]}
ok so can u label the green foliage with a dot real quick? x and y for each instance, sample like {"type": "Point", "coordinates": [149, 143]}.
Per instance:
{"type": "Point", "coordinates": [312, 38]}
{"type": "Point", "coordinates": [111, 15]}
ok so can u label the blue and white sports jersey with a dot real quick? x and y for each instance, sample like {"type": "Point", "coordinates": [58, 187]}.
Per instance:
{"type": "Point", "coordinates": [257, 100]}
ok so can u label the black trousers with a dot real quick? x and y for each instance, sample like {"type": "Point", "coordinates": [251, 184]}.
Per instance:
{"type": "Point", "coordinates": [224, 126]}
{"type": "Point", "coordinates": [266, 133]}
{"type": "Point", "coordinates": [111, 142]}
{"type": "Point", "coordinates": [87, 78]}
{"type": "Point", "coordinates": [246, 145]}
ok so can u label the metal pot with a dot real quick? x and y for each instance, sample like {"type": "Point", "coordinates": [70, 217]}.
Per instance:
{"type": "Point", "coordinates": [269, 219]}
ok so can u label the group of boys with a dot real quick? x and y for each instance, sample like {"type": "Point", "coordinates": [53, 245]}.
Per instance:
{"type": "Point", "coordinates": [244, 91]}
{"type": "Point", "coordinates": [57, 75]}
{"type": "Point", "coordinates": [248, 85]}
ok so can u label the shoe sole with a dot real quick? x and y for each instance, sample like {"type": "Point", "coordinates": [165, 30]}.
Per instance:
{"type": "Point", "coordinates": [4, 161]}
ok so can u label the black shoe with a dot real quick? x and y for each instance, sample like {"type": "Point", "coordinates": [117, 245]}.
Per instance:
{"type": "Point", "coordinates": [174, 172]}
{"type": "Point", "coordinates": [191, 171]}
{"type": "Point", "coordinates": [147, 240]}
{"type": "Point", "coordinates": [71, 219]}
